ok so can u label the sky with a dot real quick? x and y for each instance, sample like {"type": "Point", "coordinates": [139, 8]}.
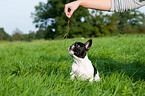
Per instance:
{"type": "Point", "coordinates": [17, 14]}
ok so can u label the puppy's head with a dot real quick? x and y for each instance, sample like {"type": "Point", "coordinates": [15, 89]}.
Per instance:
{"type": "Point", "coordinates": [80, 49]}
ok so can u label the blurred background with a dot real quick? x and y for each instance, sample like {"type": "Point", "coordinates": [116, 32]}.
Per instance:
{"type": "Point", "coordinates": [45, 19]}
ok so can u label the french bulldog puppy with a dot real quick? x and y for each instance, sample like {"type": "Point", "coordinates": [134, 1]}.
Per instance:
{"type": "Point", "coordinates": [82, 67]}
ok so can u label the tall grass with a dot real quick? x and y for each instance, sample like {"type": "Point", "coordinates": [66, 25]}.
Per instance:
{"type": "Point", "coordinates": [41, 68]}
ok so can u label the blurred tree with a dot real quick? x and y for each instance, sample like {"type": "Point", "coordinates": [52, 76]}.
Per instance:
{"type": "Point", "coordinates": [17, 35]}
{"type": "Point", "coordinates": [17, 30]}
{"type": "Point", "coordinates": [51, 18]}
{"type": "Point", "coordinates": [32, 35]}
{"type": "Point", "coordinates": [128, 22]}
{"type": "Point", "coordinates": [1, 36]}
{"type": "Point", "coordinates": [29, 37]}
{"type": "Point", "coordinates": [103, 24]}
{"type": "Point", "coordinates": [52, 23]}
{"type": "Point", "coordinates": [97, 23]}
{"type": "Point", "coordinates": [122, 21]}
{"type": "Point", "coordinates": [142, 18]}
{"type": "Point", "coordinates": [40, 34]}
{"type": "Point", "coordinates": [112, 23]}
{"type": "Point", "coordinates": [25, 37]}
{"type": "Point", "coordinates": [4, 35]}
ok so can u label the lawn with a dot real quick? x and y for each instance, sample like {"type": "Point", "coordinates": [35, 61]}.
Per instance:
{"type": "Point", "coordinates": [41, 68]}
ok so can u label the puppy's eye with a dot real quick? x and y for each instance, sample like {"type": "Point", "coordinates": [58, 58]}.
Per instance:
{"type": "Point", "coordinates": [78, 46]}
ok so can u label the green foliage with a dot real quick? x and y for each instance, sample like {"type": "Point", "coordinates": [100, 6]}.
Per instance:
{"type": "Point", "coordinates": [50, 18]}
{"type": "Point", "coordinates": [40, 34]}
{"type": "Point", "coordinates": [17, 37]}
{"type": "Point", "coordinates": [41, 68]}
{"type": "Point", "coordinates": [130, 21]}
{"type": "Point", "coordinates": [29, 37]}
{"type": "Point", "coordinates": [4, 35]}
{"type": "Point", "coordinates": [52, 23]}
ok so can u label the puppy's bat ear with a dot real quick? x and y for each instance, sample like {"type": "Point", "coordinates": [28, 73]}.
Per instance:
{"type": "Point", "coordinates": [88, 44]}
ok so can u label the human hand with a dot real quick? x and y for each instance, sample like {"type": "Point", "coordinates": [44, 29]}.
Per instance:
{"type": "Point", "coordinates": [72, 6]}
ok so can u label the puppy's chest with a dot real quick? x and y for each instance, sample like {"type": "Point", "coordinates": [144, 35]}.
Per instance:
{"type": "Point", "coordinates": [85, 68]}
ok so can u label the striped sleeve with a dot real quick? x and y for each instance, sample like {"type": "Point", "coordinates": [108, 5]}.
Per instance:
{"type": "Point", "coordinates": [125, 5]}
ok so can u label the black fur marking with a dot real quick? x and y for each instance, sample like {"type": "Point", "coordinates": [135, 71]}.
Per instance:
{"type": "Point", "coordinates": [95, 70]}
{"type": "Point", "coordinates": [79, 50]}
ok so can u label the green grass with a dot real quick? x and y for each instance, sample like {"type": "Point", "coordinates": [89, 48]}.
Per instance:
{"type": "Point", "coordinates": [41, 68]}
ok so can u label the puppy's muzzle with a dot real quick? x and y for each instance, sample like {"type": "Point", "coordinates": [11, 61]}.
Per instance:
{"type": "Point", "coordinates": [70, 49]}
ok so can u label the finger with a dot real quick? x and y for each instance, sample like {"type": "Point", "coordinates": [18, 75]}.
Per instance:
{"type": "Point", "coordinates": [66, 11]}
{"type": "Point", "coordinates": [70, 13]}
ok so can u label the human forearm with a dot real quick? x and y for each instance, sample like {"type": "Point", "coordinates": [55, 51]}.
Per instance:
{"type": "Point", "coordinates": [96, 4]}
{"type": "Point", "coordinates": [112, 5]}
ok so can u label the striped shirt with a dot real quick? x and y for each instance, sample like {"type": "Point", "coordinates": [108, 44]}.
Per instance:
{"type": "Point", "coordinates": [124, 5]}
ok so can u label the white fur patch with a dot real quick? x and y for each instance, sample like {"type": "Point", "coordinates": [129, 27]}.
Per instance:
{"type": "Point", "coordinates": [83, 69]}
